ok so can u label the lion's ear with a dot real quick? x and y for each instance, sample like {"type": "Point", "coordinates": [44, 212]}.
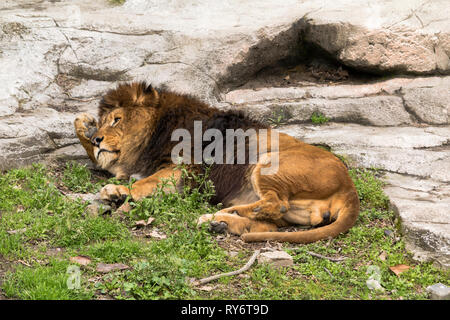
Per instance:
{"type": "Point", "coordinates": [149, 97]}
{"type": "Point", "coordinates": [129, 95]}
{"type": "Point", "coordinates": [106, 105]}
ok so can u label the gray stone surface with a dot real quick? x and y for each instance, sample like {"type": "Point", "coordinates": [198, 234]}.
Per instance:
{"type": "Point", "coordinates": [96, 208]}
{"type": "Point", "coordinates": [422, 152]}
{"type": "Point", "coordinates": [394, 102]}
{"type": "Point", "coordinates": [423, 207]}
{"type": "Point", "coordinates": [429, 104]}
{"type": "Point", "coordinates": [86, 197]}
{"type": "Point", "coordinates": [385, 35]}
{"type": "Point", "coordinates": [37, 135]}
{"type": "Point", "coordinates": [439, 291]}
{"type": "Point", "coordinates": [380, 110]}
{"type": "Point", "coordinates": [276, 258]}
{"type": "Point", "coordinates": [338, 135]}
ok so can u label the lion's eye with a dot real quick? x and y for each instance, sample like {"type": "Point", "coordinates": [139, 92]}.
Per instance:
{"type": "Point", "coordinates": [116, 120]}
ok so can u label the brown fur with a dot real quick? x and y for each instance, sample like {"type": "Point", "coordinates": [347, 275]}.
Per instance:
{"type": "Point", "coordinates": [311, 187]}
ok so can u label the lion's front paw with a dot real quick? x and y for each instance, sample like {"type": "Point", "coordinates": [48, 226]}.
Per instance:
{"type": "Point", "coordinates": [85, 125]}
{"type": "Point", "coordinates": [214, 226]}
{"type": "Point", "coordinates": [204, 218]}
{"type": "Point", "coordinates": [114, 193]}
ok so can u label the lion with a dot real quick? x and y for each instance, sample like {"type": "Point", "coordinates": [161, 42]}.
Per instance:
{"type": "Point", "coordinates": [132, 138]}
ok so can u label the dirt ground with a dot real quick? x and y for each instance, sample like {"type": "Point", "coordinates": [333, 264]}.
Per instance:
{"type": "Point", "coordinates": [317, 71]}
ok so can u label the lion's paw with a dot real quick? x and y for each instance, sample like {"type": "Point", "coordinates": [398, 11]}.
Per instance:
{"type": "Point", "coordinates": [114, 193]}
{"type": "Point", "coordinates": [85, 125]}
{"type": "Point", "coordinates": [204, 218]}
{"type": "Point", "coordinates": [216, 226]}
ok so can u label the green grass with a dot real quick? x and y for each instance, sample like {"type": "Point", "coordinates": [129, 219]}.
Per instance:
{"type": "Point", "coordinates": [278, 118]}
{"type": "Point", "coordinates": [41, 229]}
{"type": "Point", "coordinates": [319, 118]}
{"type": "Point", "coordinates": [43, 282]}
{"type": "Point", "coordinates": [77, 178]}
{"type": "Point", "coordinates": [31, 202]}
{"type": "Point", "coordinates": [163, 267]}
{"type": "Point", "coordinates": [36, 206]}
{"type": "Point", "coordinates": [117, 2]}
{"type": "Point", "coordinates": [369, 189]}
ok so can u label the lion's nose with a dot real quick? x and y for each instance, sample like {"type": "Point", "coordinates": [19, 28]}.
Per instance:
{"type": "Point", "coordinates": [96, 140]}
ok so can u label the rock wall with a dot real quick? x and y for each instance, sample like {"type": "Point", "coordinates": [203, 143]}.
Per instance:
{"type": "Point", "coordinates": [379, 71]}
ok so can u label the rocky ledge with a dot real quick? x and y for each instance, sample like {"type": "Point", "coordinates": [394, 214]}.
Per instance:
{"type": "Point", "coordinates": [378, 72]}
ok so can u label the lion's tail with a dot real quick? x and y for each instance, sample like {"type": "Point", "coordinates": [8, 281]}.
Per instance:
{"type": "Point", "coordinates": [346, 219]}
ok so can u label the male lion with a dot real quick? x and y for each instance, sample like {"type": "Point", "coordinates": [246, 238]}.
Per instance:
{"type": "Point", "coordinates": [133, 137]}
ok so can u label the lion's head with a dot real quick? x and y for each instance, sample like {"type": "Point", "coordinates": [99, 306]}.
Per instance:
{"type": "Point", "coordinates": [127, 115]}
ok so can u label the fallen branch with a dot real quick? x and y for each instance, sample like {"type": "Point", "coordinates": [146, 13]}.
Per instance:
{"type": "Point", "coordinates": [329, 273]}
{"type": "Point", "coordinates": [338, 259]}
{"type": "Point", "coordinates": [24, 263]}
{"type": "Point", "coordinates": [232, 273]}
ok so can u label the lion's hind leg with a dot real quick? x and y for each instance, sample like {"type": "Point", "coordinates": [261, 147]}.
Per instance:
{"type": "Point", "coordinates": [269, 208]}
{"type": "Point", "coordinates": [311, 212]}
{"type": "Point", "coordinates": [245, 219]}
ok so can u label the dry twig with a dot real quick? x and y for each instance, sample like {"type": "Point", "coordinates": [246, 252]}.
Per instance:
{"type": "Point", "coordinates": [24, 263]}
{"type": "Point", "coordinates": [338, 259]}
{"type": "Point", "coordinates": [232, 273]}
{"type": "Point", "coordinates": [329, 273]}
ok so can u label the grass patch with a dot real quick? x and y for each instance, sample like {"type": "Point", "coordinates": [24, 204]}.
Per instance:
{"type": "Point", "coordinates": [162, 268]}
{"type": "Point", "coordinates": [36, 214]}
{"type": "Point", "coordinates": [117, 2]}
{"type": "Point", "coordinates": [278, 118]}
{"type": "Point", "coordinates": [43, 282]}
{"type": "Point", "coordinates": [78, 178]}
{"type": "Point", "coordinates": [34, 210]}
{"type": "Point", "coordinates": [319, 118]}
{"type": "Point", "coordinates": [369, 189]}
{"type": "Point", "coordinates": [41, 229]}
